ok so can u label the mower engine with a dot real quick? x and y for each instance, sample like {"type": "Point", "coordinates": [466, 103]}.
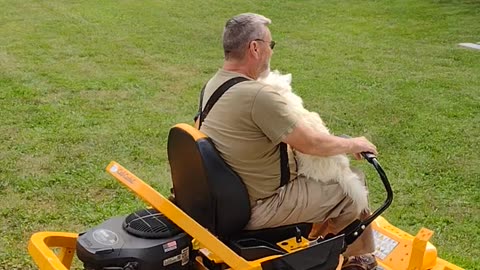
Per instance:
{"type": "Point", "coordinates": [144, 240]}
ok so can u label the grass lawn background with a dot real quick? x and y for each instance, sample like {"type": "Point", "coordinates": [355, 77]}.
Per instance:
{"type": "Point", "coordinates": [86, 82]}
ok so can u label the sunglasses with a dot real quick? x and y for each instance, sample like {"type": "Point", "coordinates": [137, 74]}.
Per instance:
{"type": "Point", "coordinates": [272, 43]}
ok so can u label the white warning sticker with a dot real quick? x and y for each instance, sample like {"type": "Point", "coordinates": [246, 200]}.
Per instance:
{"type": "Point", "coordinates": [171, 260]}
{"type": "Point", "coordinates": [384, 245]}
{"type": "Point", "coordinates": [185, 256]}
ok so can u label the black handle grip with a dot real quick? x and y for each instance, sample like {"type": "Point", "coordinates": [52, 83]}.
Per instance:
{"type": "Point", "coordinates": [368, 156]}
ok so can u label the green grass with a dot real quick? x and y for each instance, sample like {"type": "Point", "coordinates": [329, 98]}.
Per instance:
{"type": "Point", "coordinates": [86, 82]}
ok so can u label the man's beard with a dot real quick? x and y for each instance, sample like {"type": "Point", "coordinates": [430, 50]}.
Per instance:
{"type": "Point", "coordinates": [265, 72]}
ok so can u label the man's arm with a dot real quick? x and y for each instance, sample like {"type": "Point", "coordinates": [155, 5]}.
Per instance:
{"type": "Point", "coordinates": [310, 142]}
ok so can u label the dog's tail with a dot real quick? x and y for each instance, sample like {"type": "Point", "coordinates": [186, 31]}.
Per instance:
{"type": "Point", "coordinates": [355, 189]}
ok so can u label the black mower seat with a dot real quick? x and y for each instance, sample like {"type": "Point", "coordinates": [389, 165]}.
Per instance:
{"type": "Point", "coordinates": [209, 191]}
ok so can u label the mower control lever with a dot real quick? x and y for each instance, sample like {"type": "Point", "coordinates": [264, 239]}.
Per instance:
{"type": "Point", "coordinates": [355, 229]}
{"type": "Point", "coordinates": [298, 235]}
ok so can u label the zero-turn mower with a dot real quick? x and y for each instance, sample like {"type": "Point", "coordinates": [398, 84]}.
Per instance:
{"type": "Point", "coordinates": [201, 227]}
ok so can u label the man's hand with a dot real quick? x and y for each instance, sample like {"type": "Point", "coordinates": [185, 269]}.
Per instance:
{"type": "Point", "coordinates": [361, 144]}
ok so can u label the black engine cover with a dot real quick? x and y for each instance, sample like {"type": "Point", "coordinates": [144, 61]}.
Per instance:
{"type": "Point", "coordinates": [109, 246]}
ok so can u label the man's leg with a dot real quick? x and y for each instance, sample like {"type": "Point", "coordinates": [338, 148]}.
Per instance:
{"type": "Point", "coordinates": [301, 200]}
{"type": "Point", "coordinates": [305, 200]}
{"type": "Point", "coordinates": [365, 243]}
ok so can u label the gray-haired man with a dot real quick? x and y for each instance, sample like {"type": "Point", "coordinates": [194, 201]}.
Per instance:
{"type": "Point", "coordinates": [248, 126]}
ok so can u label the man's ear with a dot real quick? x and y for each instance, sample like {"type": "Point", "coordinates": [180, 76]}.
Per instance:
{"type": "Point", "coordinates": [254, 50]}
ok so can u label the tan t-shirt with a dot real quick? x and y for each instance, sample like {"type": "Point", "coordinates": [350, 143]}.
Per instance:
{"type": "Point", "coordinates": [246, 125]}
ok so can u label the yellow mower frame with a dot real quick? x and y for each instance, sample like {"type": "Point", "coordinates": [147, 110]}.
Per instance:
{"type": "Point", "coordinates": [409, 252]}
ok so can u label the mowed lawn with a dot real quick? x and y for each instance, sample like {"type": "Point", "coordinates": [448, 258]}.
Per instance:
{"type": "Point", "coordinates": [86, 82]}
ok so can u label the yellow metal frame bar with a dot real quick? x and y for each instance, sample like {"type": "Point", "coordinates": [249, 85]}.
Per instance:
{"type": "Point", "coordinates": [411, 252]}
{"type": "Point", "coordinates": [41, 247]}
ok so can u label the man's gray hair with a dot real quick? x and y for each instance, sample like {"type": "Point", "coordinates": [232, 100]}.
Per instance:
{"type": "Point", "coordinates": [240, 30]}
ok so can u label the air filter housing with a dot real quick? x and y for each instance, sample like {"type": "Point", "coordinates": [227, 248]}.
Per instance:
{"type": "Point", "coordinates": [144, 240]}
{"type": "Point", "coordinates": [151, 224]}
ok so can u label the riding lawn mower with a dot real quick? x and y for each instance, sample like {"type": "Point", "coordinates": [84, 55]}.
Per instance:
{"type": "Point", "coordinates": [202, 226]}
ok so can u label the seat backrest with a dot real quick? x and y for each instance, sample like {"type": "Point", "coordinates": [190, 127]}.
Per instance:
{"type": "Point", "coordinates": [205, 187]}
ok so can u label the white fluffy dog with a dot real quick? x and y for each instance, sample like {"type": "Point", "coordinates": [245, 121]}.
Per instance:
{"type": "Point", "coordinates": [324, 169]}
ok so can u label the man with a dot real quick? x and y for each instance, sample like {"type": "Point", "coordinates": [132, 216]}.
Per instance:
{"type": "Point", "coordinates": [250, 122]}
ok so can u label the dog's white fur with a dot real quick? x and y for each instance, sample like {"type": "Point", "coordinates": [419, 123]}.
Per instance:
{"type": "Point", "coordinates": [324, 169]}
